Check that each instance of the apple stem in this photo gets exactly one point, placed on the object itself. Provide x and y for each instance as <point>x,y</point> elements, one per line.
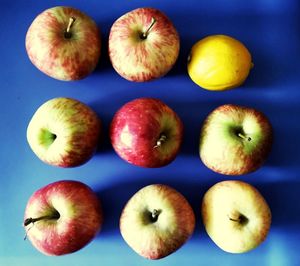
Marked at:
<point>30,220</point>
<point>233,219</point>
<point>161,140</point>
<point>244,137</point>
<point>53,216</point>
<point>154,215</point>
<point>68,34</point>
<point>238,218</point>
<point>145,34</point>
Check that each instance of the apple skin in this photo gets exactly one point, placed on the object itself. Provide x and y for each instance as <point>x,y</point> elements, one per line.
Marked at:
<point>72,217</point>
<point>236,216</point>
<point>60,56</point>
<point>146,132</point>
<point>235,140</point>
<point>64,132</point>
<point>138,58</point>
<point>157,235</point>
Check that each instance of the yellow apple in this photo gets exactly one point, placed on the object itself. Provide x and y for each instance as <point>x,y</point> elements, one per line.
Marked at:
<point>236,216</point>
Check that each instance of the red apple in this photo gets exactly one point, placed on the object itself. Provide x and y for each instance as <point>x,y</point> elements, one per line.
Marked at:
<point>143,44</point>
<point>64,132</point>
<point>64,43</point>
<point>146,132</point>
<point>62,217</point>
<point>157,221</point>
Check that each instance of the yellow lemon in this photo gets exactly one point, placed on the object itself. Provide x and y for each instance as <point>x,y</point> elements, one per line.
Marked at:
<point>219,62</point>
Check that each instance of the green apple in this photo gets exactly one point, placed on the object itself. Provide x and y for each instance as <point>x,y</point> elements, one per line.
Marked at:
<point>236,216</point>
<point>235,140</point>
<point>157,221</point>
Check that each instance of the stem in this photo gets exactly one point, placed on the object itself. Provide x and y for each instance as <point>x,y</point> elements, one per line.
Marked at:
<point>55,215</point>
<point>154,215</point>
<point>145,34</point>
<point>234,220</point>
<point>238,218</point>
<point>68,34</point>
<point>244,137</point>
<point>161,140</point>
<point>30,220</point>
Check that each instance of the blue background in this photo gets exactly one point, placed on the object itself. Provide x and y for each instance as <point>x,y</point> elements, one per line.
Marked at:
<point>269,28</point>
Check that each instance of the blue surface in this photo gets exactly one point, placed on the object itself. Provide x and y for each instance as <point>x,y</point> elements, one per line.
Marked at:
<point>269,28</point>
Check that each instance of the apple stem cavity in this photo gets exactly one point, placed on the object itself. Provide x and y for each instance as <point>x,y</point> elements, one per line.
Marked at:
<point>160,141</point>
<point>244,137</point>
<point>144,35</point>
<point>68,33</point>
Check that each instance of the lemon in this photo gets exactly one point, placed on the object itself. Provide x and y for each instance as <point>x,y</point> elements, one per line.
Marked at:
<point>219,62</point>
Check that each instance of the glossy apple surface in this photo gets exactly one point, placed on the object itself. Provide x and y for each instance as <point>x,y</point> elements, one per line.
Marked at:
<point>62,217</point>
<point>64,132</point>
<point>143,44</point>
<point>236,216</point>
<point>235,140</point>
<point>157,221</point>
<point>146,132</point>
<point>64,43</point>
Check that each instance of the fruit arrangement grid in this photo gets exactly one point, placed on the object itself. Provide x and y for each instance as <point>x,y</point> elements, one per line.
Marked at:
<point>147,136</point>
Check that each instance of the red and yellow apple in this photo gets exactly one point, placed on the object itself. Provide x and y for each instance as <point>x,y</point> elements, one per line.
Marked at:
<point>64,132</point>
<point>143,44</point>
<point>146,132</point>
<point>235,140</point>
<point>64,43</point>
<point>157,221</point>
<point>62,217</point>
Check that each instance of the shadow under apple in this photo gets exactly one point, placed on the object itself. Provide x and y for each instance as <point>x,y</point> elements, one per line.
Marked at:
<point>115,198</point>
<point>193,114</point>
<point>278,195</point>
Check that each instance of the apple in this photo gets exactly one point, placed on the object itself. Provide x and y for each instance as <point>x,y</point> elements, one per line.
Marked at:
<point>235,140</point>
<point>64,132</point>
<point>157,221</point>
<point>146,132</point>
<point>64,43</point>
<point>236,216</point>
<point>62,217</point>
<point>143,44</point>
